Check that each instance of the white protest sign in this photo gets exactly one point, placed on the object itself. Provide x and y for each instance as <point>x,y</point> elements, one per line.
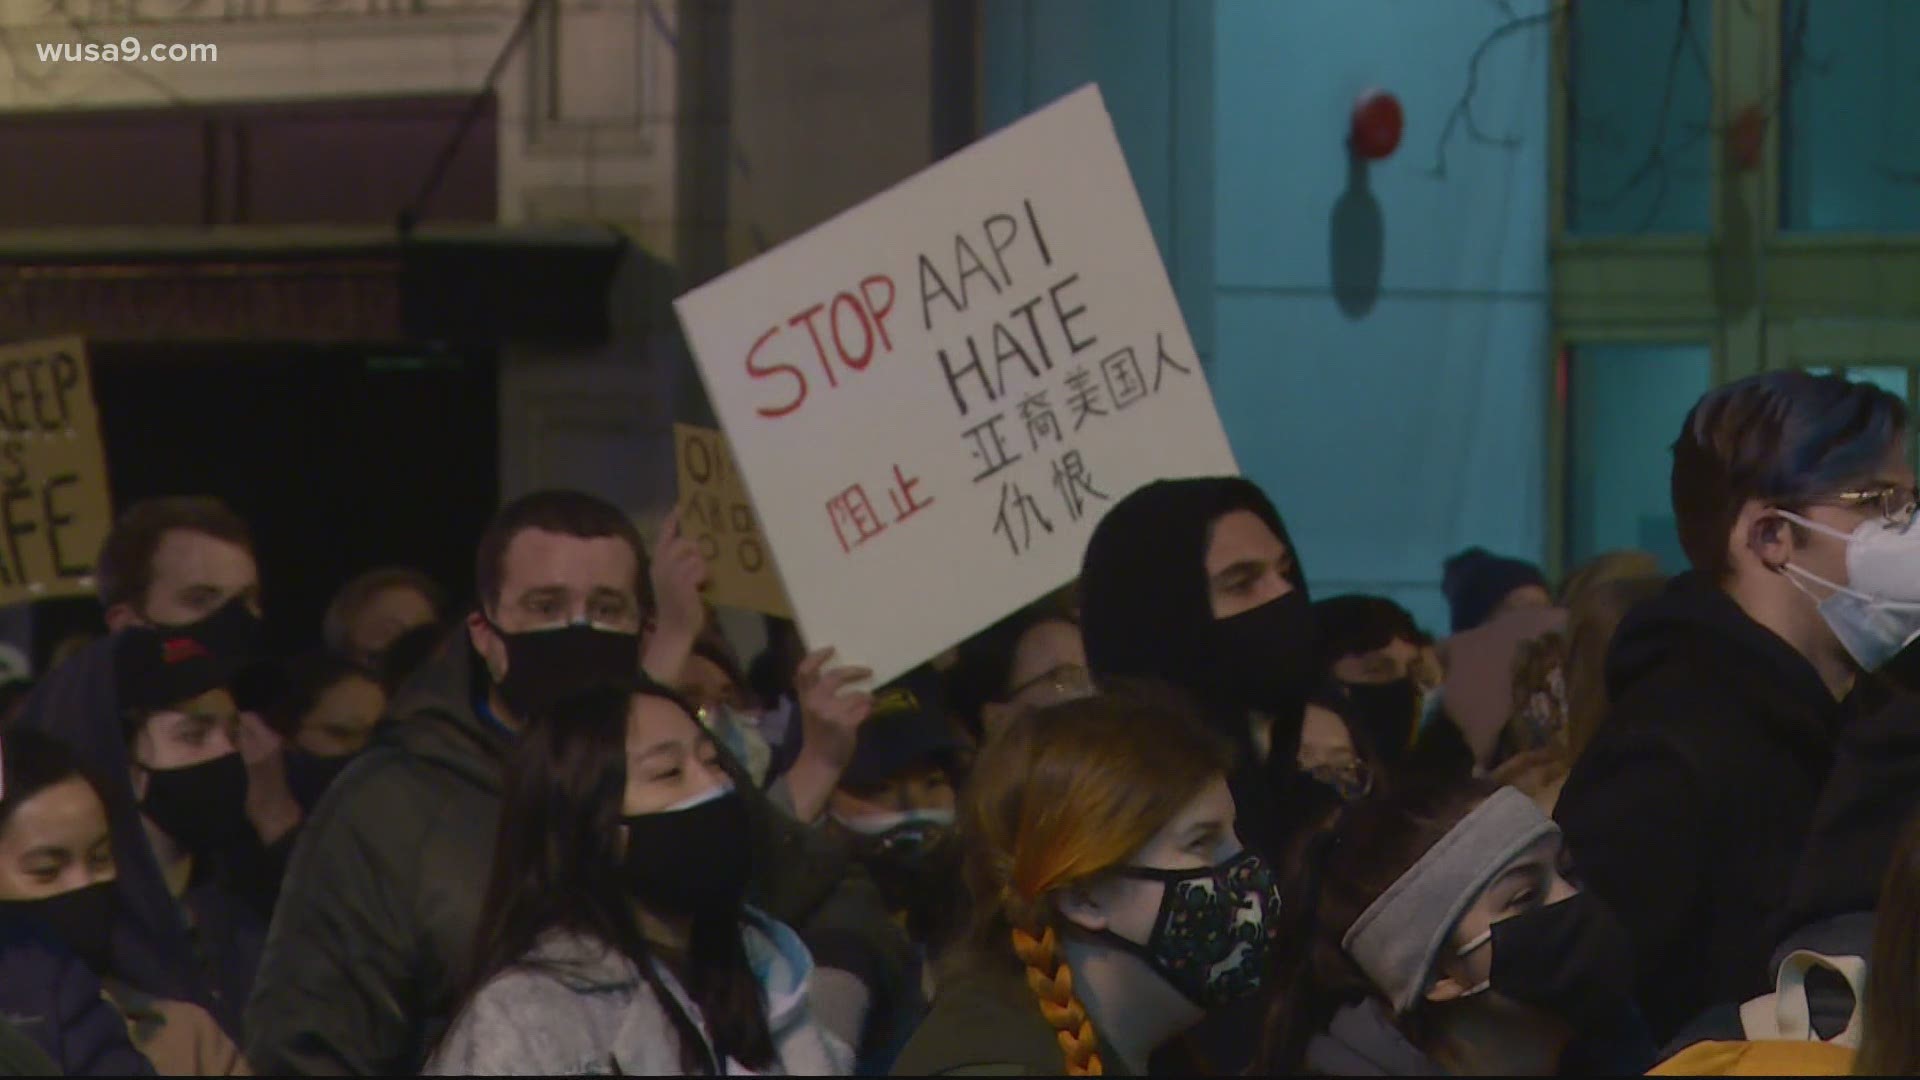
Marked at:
<point>935,396</point>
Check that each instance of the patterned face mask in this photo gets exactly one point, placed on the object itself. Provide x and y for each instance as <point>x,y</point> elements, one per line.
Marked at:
<point>1217,927</point>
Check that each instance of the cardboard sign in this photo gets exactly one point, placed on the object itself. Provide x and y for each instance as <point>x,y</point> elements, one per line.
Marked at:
<point>715,512</point>
<point>935,396</point>
<point>54,509</point>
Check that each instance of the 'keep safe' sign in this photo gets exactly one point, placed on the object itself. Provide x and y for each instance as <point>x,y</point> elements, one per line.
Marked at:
<point>936,395</point>
<point>54,510</point>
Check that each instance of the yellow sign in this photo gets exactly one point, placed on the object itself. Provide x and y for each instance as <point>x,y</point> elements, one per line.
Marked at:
<point>54,508</point>
<point>715,512</point>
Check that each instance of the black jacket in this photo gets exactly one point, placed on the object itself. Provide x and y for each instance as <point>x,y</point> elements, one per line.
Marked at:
<point>1688,811</point>
<point>382,900</point>
<point>48,996</point>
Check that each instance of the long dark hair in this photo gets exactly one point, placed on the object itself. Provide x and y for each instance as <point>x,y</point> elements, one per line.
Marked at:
<point>557,866</point>
<point>1344,870</point>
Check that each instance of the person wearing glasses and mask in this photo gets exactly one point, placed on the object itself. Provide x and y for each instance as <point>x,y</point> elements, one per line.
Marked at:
<point>1794,499</point>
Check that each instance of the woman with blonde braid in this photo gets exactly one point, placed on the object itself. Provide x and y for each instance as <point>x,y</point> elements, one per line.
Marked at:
<point>1114,907</point>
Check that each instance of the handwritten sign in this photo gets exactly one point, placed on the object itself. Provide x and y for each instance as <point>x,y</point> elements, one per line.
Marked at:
<point>54,510</point>
<point>935,396</point>
<point>715,512</point>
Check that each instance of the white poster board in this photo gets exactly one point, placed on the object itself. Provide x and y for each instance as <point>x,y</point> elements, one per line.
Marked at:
<point>936,395</point>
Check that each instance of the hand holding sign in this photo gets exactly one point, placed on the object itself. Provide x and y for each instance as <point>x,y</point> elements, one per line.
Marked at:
<point>830,719</point>
<point>678,573</point>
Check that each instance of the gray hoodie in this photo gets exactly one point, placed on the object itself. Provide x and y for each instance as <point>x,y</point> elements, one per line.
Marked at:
<point>595,1015</point>
<point>1364,1041</point>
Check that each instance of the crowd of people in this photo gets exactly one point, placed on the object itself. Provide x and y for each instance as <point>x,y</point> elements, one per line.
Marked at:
<point>1177,817</point>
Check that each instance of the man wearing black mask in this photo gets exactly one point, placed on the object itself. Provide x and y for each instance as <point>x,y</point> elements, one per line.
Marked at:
<point>1196,583</point>
<point>376,923</point>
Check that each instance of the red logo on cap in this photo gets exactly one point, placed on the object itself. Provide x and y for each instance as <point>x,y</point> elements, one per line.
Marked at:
<point>180,650</point>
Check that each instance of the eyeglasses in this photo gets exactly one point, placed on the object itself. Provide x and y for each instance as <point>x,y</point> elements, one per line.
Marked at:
<point>1896,503</point>
<point>1064,683</point>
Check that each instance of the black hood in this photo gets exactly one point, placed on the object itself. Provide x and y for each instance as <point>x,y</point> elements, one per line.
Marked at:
<point>78,703</point>
<point>1699,626</point>
<point>1145,611</point>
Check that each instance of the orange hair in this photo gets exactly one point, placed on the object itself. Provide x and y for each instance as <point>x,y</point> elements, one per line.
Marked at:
<point>1063,796</point>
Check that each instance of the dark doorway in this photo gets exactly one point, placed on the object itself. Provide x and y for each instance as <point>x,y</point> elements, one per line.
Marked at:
<point>341,458</point>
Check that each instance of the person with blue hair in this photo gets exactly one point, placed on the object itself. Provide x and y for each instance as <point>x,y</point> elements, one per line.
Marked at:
<point>1794,496</point>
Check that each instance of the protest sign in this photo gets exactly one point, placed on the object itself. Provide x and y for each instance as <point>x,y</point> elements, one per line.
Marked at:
<point>716,514</point>
<point>935,396</point>
<point>54,510</point>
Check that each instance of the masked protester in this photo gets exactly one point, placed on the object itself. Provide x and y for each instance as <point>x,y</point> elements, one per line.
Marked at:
<point>894,810</point>
<point>378,916</point>
<point>1387,666</point>
<point>376,609</point>
<point>1108,890</point>
<point>616,934</point>
<point>326,714</point>
<point>1197,583</point>
<point>1333,745</point>
<point>1794,498</point>
<point>895,802</point>
<point>57,887</point>
<point>1432,933</point>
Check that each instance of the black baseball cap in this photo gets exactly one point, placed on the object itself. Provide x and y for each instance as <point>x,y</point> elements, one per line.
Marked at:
<point>911,722</point>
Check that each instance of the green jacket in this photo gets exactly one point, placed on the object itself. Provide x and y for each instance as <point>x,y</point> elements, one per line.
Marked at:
<point>21,1056</point>
<point>382,900</point>
<point>986,1022</point>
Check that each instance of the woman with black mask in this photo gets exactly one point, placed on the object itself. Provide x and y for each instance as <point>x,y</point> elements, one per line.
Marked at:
<point>59,910</point>
<point>1435,933</point>
<point>615,935</point>
<point>1197,583</point>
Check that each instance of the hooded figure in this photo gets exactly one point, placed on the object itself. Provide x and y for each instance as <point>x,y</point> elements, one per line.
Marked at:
<point>1147,613</point>
<point>84,703</point>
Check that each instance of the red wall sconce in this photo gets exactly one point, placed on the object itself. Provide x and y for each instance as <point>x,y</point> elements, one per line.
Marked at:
<point>1377,124</point>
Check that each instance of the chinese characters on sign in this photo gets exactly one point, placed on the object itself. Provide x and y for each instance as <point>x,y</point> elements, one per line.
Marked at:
<point>935,396</point>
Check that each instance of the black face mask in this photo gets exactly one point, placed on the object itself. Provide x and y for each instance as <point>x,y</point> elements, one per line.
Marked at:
<point>309,775</point>
<point>1573,959</point>
<point>82,919</point>
<point>233,632</point>
<point>691,861</point>
<point>1387,711</point>
<point>1268,659</point>
<point>202,807</point>
<point>545,666</point>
